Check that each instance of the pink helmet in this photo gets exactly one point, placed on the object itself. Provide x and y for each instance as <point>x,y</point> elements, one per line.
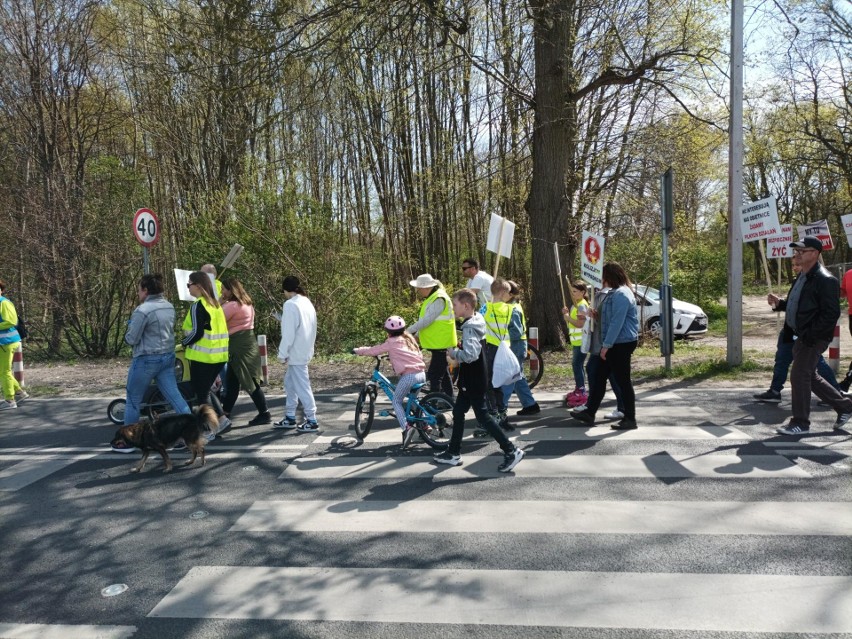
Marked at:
<point>394,323</point>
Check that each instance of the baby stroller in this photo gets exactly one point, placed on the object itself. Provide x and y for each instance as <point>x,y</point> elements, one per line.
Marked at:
<point>153,401</point>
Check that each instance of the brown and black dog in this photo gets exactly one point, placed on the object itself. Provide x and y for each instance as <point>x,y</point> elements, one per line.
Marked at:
<point>165,431</point>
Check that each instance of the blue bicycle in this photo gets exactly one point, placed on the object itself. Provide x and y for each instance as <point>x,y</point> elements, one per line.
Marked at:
<point>428,413</point>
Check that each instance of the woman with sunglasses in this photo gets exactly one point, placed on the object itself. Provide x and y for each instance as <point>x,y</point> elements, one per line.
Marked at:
<point>206,341</point>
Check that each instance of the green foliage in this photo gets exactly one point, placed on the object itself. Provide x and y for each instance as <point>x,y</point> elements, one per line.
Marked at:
<point>283,235</point>
<point>698,266</point>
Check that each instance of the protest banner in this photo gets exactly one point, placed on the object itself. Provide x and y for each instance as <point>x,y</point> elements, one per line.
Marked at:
<point>501,234</point>
<point>760,219</point>
<point>818,229</point>
<point>846,220</point>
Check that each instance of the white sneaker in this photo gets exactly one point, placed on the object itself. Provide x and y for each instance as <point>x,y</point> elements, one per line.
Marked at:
<point>21,395</point>
<point>616,414</point>
<point>6,405</point>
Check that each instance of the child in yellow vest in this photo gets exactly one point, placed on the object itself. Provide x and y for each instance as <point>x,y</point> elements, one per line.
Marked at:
<point>576,318</point>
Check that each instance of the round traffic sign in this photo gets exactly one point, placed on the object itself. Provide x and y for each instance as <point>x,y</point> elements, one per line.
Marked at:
<point>146,227</point>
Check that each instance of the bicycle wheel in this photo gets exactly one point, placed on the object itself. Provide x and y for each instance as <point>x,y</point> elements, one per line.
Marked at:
<point>365,411</point>
<point>533,372</point>
<point>441,406</point>
<point>115,411</point>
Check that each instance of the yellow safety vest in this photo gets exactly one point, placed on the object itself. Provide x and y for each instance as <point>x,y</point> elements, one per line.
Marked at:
<point>442,332</point>
<point>497,316</point>
<point>212,348</point>
<point>575,333</point>
<point>520,308</point>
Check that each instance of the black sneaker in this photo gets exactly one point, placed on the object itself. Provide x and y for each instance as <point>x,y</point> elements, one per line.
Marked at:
<point>480,432</point>
<point>261,419</point>
<point>285,423</point>
<point>770,397</point>
<point>583,416</point>
<point>510,460</point>
<point>308,426</point>
<point>535,409</point>
<point>503,421</point>
<point>841,420</point>
<point>447,458</point>
<point>625,424</point>
<point>408,435</point>
<point>793,429</point>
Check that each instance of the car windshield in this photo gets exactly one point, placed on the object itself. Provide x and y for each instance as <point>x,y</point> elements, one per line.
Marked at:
<point>649,293</point>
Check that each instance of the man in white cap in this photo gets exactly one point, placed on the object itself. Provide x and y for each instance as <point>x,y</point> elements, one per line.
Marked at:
<point>436,329</point>
<point>810,314</point>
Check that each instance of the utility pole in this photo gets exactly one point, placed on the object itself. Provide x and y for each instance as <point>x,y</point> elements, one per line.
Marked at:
<point>735,190</point>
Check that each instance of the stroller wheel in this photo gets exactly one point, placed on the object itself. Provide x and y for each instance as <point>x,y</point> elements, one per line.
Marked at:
<point>115,411</point>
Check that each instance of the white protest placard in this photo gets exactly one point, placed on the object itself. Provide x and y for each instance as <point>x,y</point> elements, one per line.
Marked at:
<point>591,259</point>
<point>182,279</point>
<point>501,234</point>
<point>778,246</point>
<point>760,219</point>
<point>818,229</point>
<point>846,220</point>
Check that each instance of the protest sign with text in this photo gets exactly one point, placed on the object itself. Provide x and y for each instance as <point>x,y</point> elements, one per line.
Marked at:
<point>760,219</point>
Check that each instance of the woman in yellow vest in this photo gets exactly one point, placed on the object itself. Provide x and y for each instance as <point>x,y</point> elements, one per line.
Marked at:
<point>206,341</point>
<point>436,329</point>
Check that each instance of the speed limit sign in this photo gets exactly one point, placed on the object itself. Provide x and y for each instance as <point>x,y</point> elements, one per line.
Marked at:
<point>146,227</point>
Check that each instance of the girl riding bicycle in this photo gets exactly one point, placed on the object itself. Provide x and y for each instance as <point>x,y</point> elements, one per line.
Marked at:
<point>407,361</point>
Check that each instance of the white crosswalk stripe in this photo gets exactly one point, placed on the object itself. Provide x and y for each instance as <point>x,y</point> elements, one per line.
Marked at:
<point>558,517</point>
<point>734,603</point>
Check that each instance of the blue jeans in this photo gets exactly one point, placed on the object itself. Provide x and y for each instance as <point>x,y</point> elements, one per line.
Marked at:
<point>592,370</point>
<point>578,357</point>
<point>521,387</point>
<point>783,359</point>
<point>142,370</point>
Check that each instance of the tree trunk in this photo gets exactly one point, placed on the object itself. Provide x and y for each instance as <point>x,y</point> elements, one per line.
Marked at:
<point>549,205</point>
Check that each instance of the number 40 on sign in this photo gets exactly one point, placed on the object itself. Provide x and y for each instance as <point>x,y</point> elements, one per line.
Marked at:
<point>146,227</point>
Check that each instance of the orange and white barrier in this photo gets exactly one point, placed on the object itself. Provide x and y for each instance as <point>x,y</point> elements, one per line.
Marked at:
<point>532,338</point>
<point>264,362</point>
<point>18,365</point>
<point>834,348</point>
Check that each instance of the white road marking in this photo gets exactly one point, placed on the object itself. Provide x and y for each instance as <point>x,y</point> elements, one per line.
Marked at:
<point>30,471</point>
<point>706,602</point>
<point>63,631</point>
<point>560,517</point>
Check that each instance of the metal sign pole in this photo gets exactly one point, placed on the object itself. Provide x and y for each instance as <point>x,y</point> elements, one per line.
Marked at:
<point>146,263</point>
<point>666,319</point>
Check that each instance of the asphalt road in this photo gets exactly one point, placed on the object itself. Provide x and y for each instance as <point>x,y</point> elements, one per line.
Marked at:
<point>702,523</point>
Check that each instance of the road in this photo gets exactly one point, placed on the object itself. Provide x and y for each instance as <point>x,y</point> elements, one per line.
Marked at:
<point>701,523</point>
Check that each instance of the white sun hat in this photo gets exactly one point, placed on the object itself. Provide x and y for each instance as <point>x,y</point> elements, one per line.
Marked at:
<point>424,281</point>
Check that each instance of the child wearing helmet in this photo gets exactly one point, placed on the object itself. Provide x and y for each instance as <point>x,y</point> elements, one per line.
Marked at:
<point>407,361</point>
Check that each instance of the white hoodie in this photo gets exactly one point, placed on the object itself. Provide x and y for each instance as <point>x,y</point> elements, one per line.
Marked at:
<point>298,331</point>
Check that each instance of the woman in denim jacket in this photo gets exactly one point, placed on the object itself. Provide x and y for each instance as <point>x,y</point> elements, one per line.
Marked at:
<point>620,331</point>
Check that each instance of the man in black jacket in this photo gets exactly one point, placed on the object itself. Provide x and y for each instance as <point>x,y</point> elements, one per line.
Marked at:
<point>811,311</point>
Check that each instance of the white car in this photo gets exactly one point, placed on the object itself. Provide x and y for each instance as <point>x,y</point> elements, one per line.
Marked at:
<point>688,318</point>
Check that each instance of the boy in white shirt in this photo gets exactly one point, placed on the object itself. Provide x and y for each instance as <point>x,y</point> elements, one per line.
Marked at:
<point>298,335</point>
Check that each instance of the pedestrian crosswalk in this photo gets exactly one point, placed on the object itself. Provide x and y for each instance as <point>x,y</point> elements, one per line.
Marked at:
<point>688,526</point>
<point>773,601</point>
